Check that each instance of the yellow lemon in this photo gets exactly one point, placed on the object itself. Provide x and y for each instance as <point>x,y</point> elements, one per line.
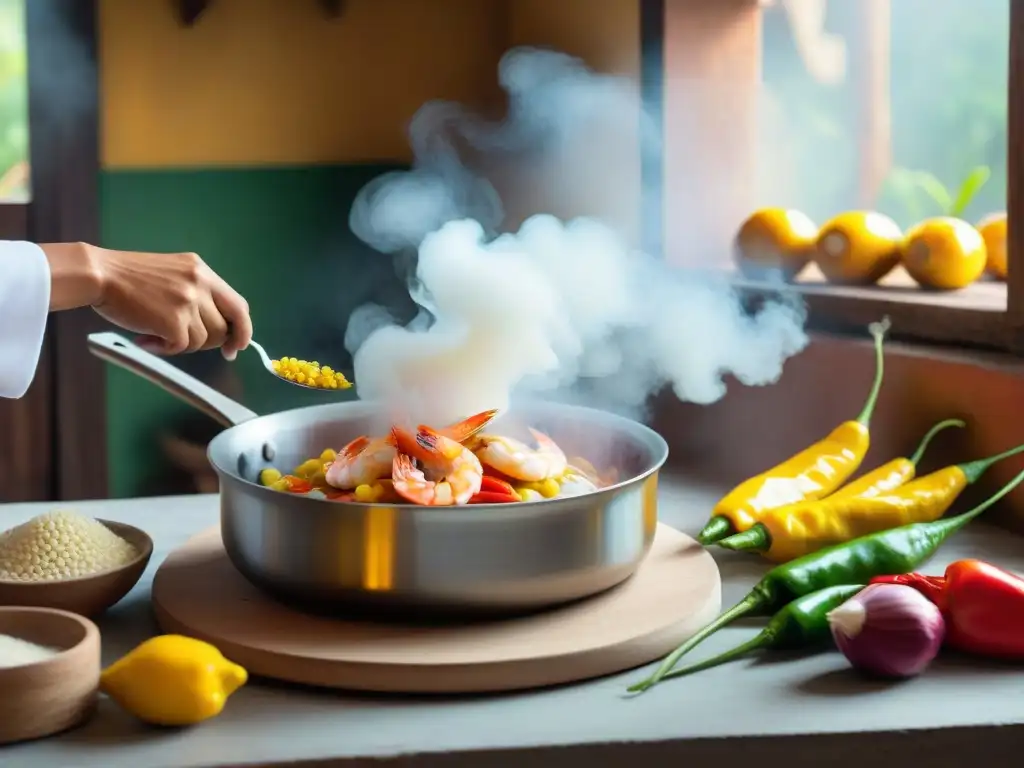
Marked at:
<point>172,680</point>
<point>993,231</point>
<point>774,239</point>
<point>858,248</point>
<point>944,253</point>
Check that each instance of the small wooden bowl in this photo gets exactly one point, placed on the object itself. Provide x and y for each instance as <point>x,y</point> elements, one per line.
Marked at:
<point>88,595</point>
<point>58,693</point>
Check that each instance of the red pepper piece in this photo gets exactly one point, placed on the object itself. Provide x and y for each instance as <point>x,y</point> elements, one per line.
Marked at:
<point>490,471</point>
<point>983,606</point>
<point>489,497</point>
<point>496,485</point>
<point>297,484</point>
<point>931,587</point>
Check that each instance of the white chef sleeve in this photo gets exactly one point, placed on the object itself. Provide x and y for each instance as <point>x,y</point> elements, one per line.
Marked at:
<point>24,307</point>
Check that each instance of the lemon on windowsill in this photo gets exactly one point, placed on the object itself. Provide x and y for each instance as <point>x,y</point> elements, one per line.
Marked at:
<point>992,229</point>
<point>774,241</point>
<point>858,248</point>
<point>944,253</point>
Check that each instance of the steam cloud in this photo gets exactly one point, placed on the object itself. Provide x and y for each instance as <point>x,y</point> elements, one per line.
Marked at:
<point>566,311</point>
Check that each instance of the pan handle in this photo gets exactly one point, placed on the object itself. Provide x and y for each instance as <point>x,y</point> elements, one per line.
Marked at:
<point>115,349</point>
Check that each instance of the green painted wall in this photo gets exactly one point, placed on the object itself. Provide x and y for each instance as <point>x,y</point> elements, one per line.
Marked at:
<point>281,237</point>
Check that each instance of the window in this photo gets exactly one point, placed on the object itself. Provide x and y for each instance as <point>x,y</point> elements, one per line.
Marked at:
<point>826,106</point>
<point>14,158</point>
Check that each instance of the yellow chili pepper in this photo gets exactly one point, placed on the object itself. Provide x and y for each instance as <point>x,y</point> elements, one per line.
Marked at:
<point>895,473</point>
<point>172,680</point>
<point>800,529</point>
<point>811,474</point>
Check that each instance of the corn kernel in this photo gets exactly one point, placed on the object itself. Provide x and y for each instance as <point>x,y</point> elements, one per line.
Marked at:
<point>549,488</point>
<point>308,468</point>
<point>329,454</point>
<point>280,485</point>
<point>364,493</point>
<point>529,494</point>
<point>269,476</point>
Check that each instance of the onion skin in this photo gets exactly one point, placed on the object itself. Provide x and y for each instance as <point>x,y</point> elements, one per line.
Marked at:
<point>888,630</point>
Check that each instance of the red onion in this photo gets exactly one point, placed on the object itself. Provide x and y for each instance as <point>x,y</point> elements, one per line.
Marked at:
<point>889,630</point>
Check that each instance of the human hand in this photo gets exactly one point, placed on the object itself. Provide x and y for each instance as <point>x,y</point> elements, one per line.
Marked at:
<point>173,300</point>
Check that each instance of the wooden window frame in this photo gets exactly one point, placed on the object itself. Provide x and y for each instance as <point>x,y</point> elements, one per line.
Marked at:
<point>53,440</point>
<point>717,42</point>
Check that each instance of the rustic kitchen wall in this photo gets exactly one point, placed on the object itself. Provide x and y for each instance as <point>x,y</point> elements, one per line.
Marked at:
<point>246,137</point>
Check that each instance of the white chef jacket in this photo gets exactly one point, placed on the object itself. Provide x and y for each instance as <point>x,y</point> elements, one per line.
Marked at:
<point>24,307</point>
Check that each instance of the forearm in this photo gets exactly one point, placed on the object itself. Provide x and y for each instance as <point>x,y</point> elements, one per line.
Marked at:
<point>75,277</point>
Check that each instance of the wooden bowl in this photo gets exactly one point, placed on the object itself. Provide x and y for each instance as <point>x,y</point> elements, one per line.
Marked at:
<point>58,693</point>
<point>87,595</point>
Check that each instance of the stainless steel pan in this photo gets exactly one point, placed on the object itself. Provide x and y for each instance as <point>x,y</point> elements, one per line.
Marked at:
<point>477,559</point>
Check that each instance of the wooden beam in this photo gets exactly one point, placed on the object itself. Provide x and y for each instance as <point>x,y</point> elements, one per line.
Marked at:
<point>870,46</point>
<point>1015,173</point>
<point>712,65</point>
<point>63,139</point>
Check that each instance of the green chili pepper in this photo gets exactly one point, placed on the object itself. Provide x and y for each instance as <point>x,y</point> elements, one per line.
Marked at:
<point>898,550</point>
<point>802,623</point>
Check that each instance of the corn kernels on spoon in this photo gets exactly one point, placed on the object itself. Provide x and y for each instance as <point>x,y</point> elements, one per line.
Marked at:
<point>302,373</point>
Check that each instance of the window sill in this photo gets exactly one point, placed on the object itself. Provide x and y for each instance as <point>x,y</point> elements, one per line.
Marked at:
<point>975,316</point>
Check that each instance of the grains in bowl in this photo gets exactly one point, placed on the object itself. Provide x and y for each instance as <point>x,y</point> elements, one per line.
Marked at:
<point>61,545</point>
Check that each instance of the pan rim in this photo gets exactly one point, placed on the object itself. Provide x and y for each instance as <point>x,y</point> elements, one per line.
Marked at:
<point>645,435</point>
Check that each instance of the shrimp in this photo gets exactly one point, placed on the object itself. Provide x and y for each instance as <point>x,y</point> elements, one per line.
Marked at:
<point>460,470</point>
<point>366,460</point>
<point>518,460</point>
<point>361,462</point>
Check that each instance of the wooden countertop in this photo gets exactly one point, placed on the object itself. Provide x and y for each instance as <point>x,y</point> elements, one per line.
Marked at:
<point>800,710</point>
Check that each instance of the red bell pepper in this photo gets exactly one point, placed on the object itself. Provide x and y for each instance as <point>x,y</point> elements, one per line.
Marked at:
<point>983,606</point>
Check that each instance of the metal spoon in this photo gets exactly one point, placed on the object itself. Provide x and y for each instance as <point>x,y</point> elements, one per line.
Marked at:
<point>269,365</point>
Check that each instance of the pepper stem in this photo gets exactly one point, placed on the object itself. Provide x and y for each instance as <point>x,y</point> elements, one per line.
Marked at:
<point>878,331</point>
<point>718,527</point>
<point>975,469</point>
<point>949,525</point>
<point>919,453</point>
<point>764,639</point>
<point>757,538</point>
<point>750,604</point>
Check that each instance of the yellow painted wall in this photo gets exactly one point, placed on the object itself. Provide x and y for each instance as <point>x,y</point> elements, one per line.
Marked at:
<point>604,33</point>
<point>259,82</point>
<point>267,82</point>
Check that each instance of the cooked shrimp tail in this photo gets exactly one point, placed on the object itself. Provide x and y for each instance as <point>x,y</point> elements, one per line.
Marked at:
<point>465,429</point>
<point>355,447</point>
<point>436,443</point>
<point>406,442</point>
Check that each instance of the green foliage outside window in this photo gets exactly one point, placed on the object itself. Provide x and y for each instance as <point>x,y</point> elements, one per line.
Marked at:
<point>14,177</point>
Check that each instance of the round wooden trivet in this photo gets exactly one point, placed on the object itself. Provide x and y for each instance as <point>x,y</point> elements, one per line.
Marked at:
<point>197,592</point>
